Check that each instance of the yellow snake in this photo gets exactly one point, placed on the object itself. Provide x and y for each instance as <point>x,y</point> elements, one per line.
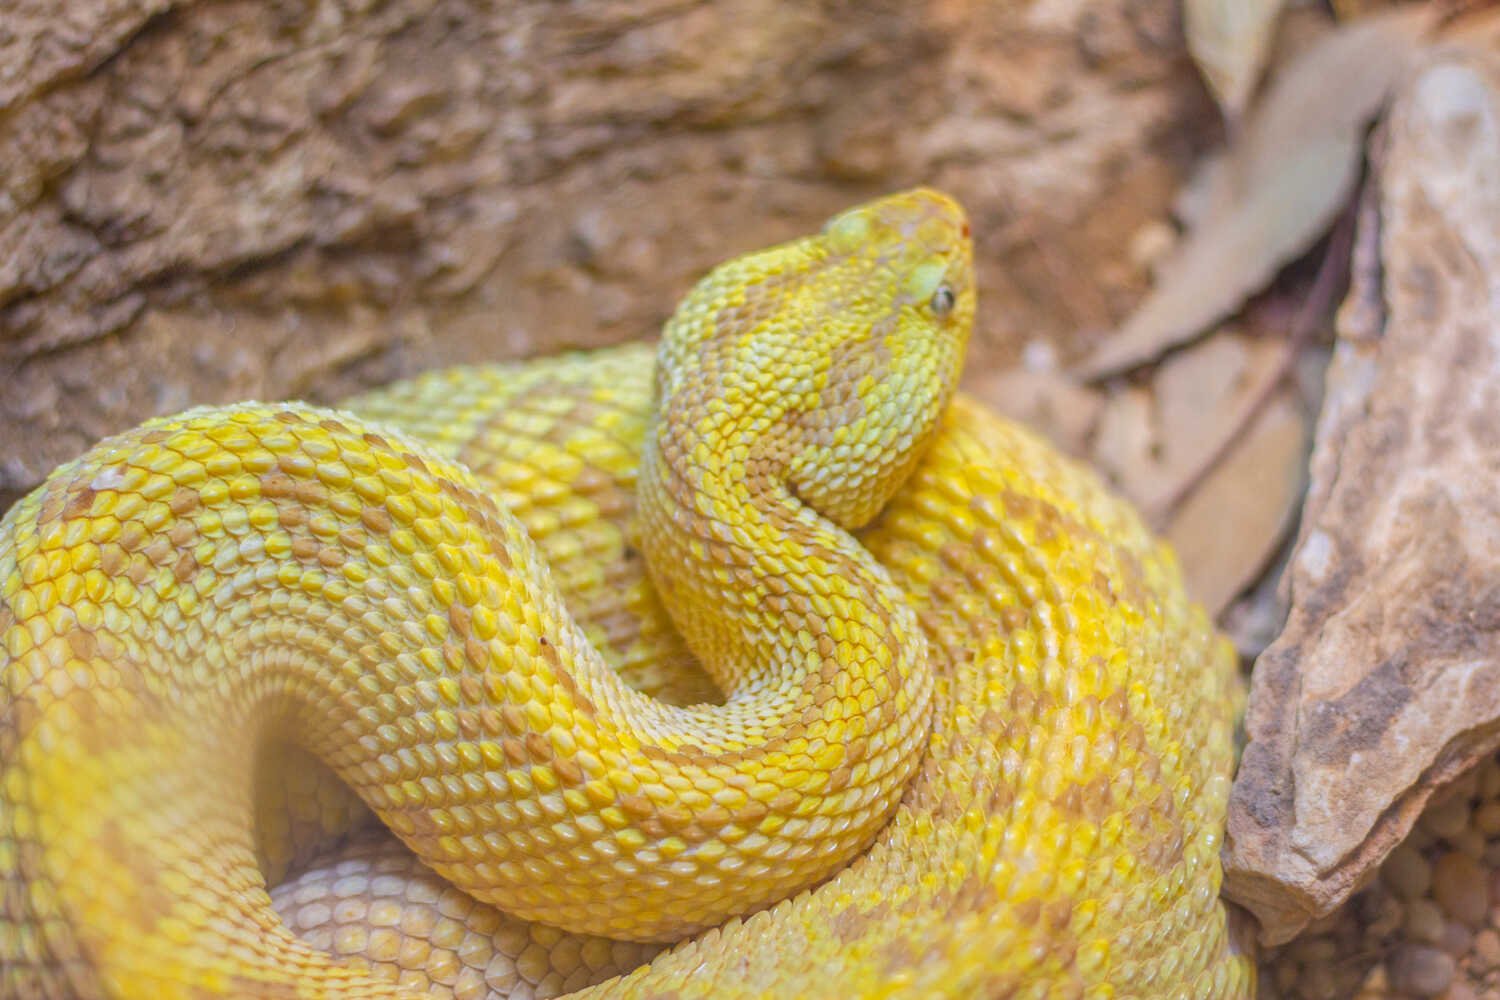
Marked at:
<point>982,749</point>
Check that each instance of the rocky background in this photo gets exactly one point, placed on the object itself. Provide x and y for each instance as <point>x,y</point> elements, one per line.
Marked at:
<point>214,201</point>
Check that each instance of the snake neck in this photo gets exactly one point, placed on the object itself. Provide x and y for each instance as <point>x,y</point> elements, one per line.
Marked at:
<point>769,594</point>
<point>255,572</point>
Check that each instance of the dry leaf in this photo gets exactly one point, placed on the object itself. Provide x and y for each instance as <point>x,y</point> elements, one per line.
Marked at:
<point>1206,192</point>
<point>1190,450</point>
<point>1125,446</point>
<point>1202,395</point>
<point>1229,40</point>
<point>1385,683</point>
<point>1153,441</point>
<point>1231,525</point>
<point>1290,173</point>
<point>1048,402</point>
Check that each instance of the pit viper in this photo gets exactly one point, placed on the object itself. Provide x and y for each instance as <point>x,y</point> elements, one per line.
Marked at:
<point>774,667</point>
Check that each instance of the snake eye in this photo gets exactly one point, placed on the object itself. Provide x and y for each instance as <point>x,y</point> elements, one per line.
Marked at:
<point>942,300</point>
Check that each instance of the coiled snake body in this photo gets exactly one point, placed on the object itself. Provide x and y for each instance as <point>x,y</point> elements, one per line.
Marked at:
<point>984,750</point>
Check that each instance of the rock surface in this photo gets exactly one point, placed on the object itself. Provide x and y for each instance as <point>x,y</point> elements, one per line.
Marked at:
<point>206,202</point>
<point>1385,684</point>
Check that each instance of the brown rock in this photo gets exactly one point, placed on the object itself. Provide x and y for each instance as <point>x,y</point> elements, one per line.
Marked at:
<point>1448,818</point>
<point>1385,917</point>
<point>309,198</point>
<point>1461,990</point>
<point>1287,974</point>
<point>1407,872</point>
<point>1377,983</point>
<point>1471,842</point>
<point>1314,951</point>
<point>1487,818</point>
<point>1318,982</point>
<point>1457,939</point>
<point>1487,779</point>
<point>1424,922</point>
<point>1421,970</point>
<point>1487,950</point>
<point>1461,887</point>
<point>1385,684</point>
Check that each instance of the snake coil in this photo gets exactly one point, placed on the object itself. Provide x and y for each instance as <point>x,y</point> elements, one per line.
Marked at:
<point>901,699</point>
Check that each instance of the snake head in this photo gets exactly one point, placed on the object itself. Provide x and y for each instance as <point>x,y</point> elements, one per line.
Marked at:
<point>891,353</point>
<point>822,365</point>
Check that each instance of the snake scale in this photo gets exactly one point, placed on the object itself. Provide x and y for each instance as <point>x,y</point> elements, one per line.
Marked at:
<point>500,681</point>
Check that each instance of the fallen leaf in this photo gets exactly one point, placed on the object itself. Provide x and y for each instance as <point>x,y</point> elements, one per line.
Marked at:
<point>1048,402</point>
<point>1125,443</point>
<point>1154,441</point>
<point>1205,194</point>
<point>1228,528</point>
<point>1206,446</point>
<point>1335,86</point>
<point>1385,683</point>
<point>1202,395</point>
<point>1288,176</point>
<point>1229,40</point>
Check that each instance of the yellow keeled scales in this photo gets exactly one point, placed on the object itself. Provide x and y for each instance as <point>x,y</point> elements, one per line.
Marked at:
<point>1019,727</point>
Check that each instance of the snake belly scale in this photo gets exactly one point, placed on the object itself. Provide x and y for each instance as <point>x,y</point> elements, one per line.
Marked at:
<point>901,700</point>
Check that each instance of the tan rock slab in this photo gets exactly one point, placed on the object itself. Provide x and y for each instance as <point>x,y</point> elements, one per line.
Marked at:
<point>1385,683</point>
